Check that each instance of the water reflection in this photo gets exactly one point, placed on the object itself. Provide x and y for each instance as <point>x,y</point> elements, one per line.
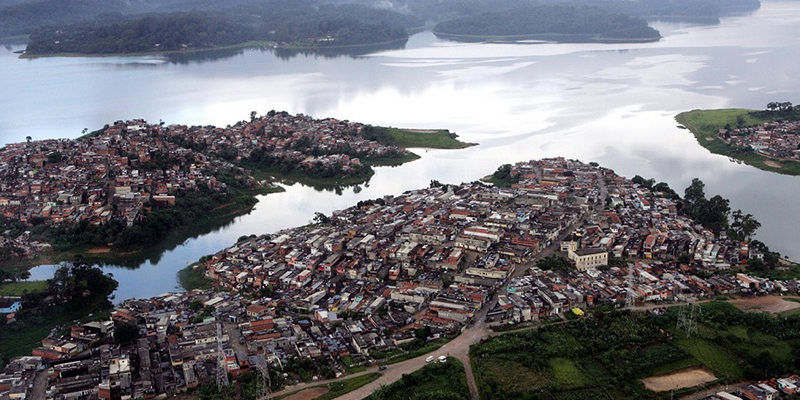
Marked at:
<point>338,52</point>
<point>614,104</point>
<point>285,54</point>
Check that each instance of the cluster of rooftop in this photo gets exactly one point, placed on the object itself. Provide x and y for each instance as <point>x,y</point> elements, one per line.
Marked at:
<point>780,140</point>
<point>364,282</point>
<point>120,173</point>
<point>327,148</point>
<point>765,390</point>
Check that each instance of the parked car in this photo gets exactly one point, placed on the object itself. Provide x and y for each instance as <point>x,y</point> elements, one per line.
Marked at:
<point>382,368</point>
<point>429,359</point>
<point>442,359</point>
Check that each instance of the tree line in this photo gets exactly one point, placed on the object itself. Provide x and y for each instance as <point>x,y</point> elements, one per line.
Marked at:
<point>290,23</point>
<point>569,20</point>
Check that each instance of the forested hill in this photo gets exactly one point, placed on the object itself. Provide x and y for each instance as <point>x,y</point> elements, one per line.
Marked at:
<point>694,10</point>
<point>296,24</point>
<point>590,23</point>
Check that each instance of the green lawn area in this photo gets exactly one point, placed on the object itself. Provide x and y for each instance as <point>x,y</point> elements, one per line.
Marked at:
<point>425,138</point>
<point>348,361</point>
<point>348,385</point>
<point>19,288</point>
<point>566,375</point>
<point>712,356</point>
<point>434,381</point>
<point>705,124</point>
<point>789,313</point>
<point>392,162</point>
<point>512,376</point>
<point>674,366</point>
<point>191,278</point>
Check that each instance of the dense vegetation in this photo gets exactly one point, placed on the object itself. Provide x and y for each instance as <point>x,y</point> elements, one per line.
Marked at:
<point>76,290</point>
<point>588,22</point>
<point>287,23</point>
<point>710,10</point>
<point>438,381</point>
<point>502,176</point>
<point>572,360</point>
<point>153,225</point>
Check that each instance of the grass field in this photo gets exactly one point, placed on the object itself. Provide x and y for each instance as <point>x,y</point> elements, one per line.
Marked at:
<point>675,366</point>
<point>566,375</point>
<point>512,376</point>
<point>191,278</point>
<point>348,361</point>
<point>348,385</point>
<point>423,138</point>
<point>705,124</point>
<point>20,288</point>
<point>433,381</point>
<point>712,356</point>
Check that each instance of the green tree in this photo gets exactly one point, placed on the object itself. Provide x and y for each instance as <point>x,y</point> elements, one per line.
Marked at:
<point>743,226</point>
<point>693,195</point>
<point>125,334</point>
<point>553,263</point>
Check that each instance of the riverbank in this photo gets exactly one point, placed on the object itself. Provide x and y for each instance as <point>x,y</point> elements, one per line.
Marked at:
<point>401,137</point>
<point>243,202</point>
<point>542,37</point>
<point>244,45</point>
<point>706,124</point>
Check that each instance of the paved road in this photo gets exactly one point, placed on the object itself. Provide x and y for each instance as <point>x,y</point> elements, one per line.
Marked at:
<point>458,347</point>
<point>39,386</point>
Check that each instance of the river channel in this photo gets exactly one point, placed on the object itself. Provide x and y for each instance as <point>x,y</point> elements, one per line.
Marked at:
<point>610,103</point>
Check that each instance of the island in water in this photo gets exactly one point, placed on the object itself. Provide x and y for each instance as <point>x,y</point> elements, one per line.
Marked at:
<point>128,185</point>
<point>766,139</point>
<point>431,280</point>
<point>557,23</point>
<point>275,24</point>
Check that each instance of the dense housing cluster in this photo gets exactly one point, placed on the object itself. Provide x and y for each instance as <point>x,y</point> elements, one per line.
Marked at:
<point>118,174</point>
<point>780,140</point>
<point>388,274</point>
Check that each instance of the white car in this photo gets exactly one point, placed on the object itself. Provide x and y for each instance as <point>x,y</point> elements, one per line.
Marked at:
<point>442,359</point>
<point>429,359</point>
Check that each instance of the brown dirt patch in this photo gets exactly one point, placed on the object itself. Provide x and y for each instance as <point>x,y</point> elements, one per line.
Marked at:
<point>770,304</point>
<point>99,250</point>
<point>772,164</point>
<point>308,394</point>
<point>684,378</point>
<point>420,130</point>
<point>709,139</point>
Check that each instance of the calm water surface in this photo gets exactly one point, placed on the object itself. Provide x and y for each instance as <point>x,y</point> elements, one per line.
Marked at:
<point>610,103</point>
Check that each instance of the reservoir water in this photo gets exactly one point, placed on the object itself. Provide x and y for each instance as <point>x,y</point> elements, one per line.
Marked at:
<point>610,103</point>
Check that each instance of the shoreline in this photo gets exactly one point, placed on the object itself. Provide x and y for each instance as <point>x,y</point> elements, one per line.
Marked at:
<point>244,201</point>
<point>547,37</point>
<point>238,46</point>
<point>708,139</point>
<point>111,256</point>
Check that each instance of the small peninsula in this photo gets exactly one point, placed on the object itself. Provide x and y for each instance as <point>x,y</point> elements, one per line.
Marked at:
<point>766,139</point>
<point>554,23</point>
<point>127,186</point>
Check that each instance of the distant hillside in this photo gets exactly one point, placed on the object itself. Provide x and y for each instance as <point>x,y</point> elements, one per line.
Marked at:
<point>585,23</point>
<point>439,11</point>
<point>295,24</point>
